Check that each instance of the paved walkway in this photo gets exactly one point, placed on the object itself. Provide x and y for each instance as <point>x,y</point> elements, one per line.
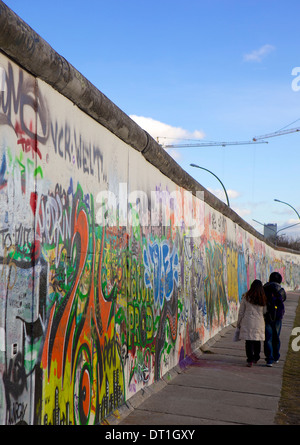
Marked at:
<point>216,387</point>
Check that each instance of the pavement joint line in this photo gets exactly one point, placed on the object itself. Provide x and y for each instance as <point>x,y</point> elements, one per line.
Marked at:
<point>192,417</point>
<point>229,390</point>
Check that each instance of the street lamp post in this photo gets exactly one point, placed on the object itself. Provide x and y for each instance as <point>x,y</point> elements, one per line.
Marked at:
<point>277,231</point>
<point>195,165</point>
<point>278,200</point>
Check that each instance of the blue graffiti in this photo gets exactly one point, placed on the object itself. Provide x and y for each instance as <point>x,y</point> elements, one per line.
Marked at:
<point>161,270</point>
<point>2,172</point>
<point>242,275</point>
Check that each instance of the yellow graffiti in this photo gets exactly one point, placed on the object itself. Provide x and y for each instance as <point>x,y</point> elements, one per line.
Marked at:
<point>232,275</point>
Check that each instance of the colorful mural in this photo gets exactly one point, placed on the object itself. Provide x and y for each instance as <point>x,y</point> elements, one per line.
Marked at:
<point>92,313</point>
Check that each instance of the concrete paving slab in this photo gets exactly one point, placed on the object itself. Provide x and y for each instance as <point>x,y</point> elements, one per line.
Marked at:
<point>208,403</point>
<point>217,388</point>
<point>228,379</point>
<point>142,418</point>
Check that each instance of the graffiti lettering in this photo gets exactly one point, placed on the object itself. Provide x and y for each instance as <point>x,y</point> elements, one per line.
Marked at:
<point>71,146</point>
<point>163,267</point>
<point>90,312</point>
<point>19,103</point>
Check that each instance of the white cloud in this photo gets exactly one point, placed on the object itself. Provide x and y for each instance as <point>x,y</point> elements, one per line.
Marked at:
<point>241,212</point>
<point>290,228</point>
<point>233,194</point>
<point>293,221</point>
<point>161,130</point>
<point>174,153</point>
<point>293,225</point>
<point>259,54</point>
<point>219,193</point>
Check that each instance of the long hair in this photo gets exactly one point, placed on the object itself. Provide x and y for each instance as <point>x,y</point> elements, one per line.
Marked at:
<point>256,294</point>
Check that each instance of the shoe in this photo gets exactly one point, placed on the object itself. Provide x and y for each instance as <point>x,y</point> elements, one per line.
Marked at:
<point>276,361</point>
<point>249,364</point>
<point>269,364</point>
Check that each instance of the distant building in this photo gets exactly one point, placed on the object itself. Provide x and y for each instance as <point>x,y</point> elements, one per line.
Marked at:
<point>270,230</point>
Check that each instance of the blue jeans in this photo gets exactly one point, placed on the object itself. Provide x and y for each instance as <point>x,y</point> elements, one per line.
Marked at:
<point>272,340</point>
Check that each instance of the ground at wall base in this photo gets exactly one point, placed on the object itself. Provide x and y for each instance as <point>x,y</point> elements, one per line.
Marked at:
<point>130,405</point>
<point>289,405</point>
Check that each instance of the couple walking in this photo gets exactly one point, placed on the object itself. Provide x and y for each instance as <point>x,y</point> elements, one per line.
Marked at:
<point>260,319</point>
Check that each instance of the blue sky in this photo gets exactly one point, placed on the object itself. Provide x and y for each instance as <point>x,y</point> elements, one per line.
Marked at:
<point>216,69</point>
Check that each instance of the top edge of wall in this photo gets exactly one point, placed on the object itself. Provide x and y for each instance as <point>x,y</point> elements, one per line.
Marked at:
<point>29,50</point>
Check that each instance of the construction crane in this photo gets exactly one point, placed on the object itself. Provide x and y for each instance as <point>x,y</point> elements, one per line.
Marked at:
<point>210,144</point>
<point>276,133</point>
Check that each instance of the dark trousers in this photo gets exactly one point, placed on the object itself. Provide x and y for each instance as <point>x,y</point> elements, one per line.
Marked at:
<point>253,350</point>
<point>272,341</point>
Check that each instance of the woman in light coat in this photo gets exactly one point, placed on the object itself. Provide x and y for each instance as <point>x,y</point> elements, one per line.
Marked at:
<point>251,320</point>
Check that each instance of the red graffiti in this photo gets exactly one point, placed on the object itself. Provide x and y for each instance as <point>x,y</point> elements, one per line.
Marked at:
<point>28,144</point>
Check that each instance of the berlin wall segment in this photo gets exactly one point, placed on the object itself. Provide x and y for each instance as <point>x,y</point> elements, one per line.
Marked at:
<point>92,310</point>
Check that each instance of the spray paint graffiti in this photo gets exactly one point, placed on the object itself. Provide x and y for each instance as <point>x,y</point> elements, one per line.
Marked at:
<point>91,314</point>
<point>81,345</point>
<point>162,266</point>
<point>215,295</point>
<point>242,275</point>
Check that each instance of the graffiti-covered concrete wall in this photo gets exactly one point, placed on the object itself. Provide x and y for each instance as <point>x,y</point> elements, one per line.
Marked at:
<point>114,263</point>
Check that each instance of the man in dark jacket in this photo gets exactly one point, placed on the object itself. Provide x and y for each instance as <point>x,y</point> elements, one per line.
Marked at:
<point>273,319</point>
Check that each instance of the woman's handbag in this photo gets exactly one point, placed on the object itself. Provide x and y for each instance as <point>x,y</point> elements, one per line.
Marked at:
<point>236,336</point>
